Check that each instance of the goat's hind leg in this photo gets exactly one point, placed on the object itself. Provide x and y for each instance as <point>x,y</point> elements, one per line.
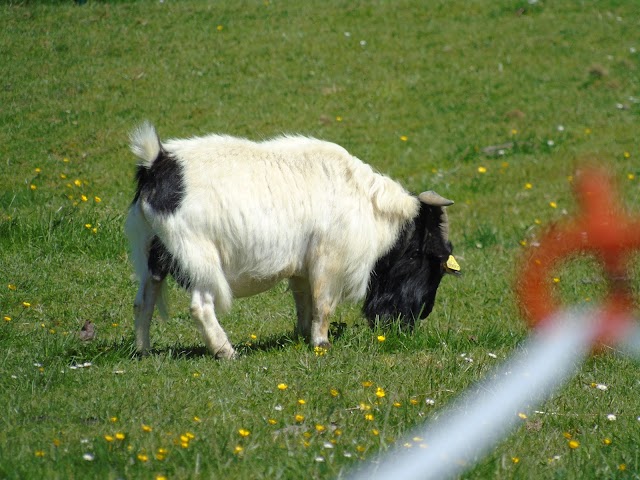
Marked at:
<point>302,295</point>
<point>148,293</point>
<point>203,313</point>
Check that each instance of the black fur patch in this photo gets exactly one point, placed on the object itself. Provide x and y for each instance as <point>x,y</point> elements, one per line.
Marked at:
<point>161,185</point>
<point>161,263</point>
<point>404,282</point>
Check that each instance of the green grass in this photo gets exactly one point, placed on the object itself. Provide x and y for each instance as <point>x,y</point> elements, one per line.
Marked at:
<point>419,90</point>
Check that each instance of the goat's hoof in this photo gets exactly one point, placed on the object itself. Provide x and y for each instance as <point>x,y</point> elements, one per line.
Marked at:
<point>325,345</point>
<point>226,354</point>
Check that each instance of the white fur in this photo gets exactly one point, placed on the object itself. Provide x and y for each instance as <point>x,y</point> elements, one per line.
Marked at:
<point>256,213</point>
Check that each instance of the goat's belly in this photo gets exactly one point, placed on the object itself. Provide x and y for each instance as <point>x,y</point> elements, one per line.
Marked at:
<point>248,286</point>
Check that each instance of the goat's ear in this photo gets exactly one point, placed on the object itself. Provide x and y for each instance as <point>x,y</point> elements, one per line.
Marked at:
<point>434,199</point>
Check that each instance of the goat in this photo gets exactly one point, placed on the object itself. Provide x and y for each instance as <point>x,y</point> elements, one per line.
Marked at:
<point>228,217</point>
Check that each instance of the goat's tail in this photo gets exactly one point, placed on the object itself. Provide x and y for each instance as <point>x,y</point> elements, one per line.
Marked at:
<point>145,144</point>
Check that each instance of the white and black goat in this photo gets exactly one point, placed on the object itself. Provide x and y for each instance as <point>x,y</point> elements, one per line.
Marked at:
<point>228,217</point>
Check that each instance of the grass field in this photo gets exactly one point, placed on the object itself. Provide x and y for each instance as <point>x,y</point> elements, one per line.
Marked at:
<point>491,103</point>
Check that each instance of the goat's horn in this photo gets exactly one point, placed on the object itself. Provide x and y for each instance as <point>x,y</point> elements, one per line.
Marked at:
<point>434,199</point>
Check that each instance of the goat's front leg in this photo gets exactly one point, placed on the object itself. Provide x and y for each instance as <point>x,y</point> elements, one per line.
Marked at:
<point>203,313</point>
<point>325,293</point>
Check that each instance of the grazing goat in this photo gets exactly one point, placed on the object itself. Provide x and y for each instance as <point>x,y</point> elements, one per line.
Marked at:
<point>228,217</point>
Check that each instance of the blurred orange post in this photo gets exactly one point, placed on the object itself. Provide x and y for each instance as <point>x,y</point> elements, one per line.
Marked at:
<point>600,229</point>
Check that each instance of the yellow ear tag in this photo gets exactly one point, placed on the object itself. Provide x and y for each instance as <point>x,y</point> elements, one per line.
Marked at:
<point>452,265</point>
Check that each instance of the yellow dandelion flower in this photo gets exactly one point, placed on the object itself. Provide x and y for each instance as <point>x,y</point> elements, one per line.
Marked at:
<point>514,131</point>
<point>626,154</point>
<point>553,204</point>
<point>63,176</point>
<point>299,418</point>
<point>37,170</point>
<point>306,434</point>
<point>160,476</point>
<point>556,280</point>
<point>244,433</point>
<point>369,417</point>
<point>147,428</point>
<point>272,421</point>
<point>12,287</point>
<point>220,28</point>
<point>143,457</point>
<point>319,351</point>
<point>364,407</point>
<point>587,131</point>
<point>397,404</point>
<point>622,467</point>
<point>567,435</point>
<point>113,419</point>
<point>381,338</point>
<point>367,383</point>
<point>360,448</point>
<point>404,138</point>
<point>109,438</point>
<point>515,460</point>
<point>333,392</point>
<point>189,435</point>
<point>83,198</point>
<point>482,169</point>
<point>631,176</point>
<point>238,450</point>
<point>97,199</point>
<point>65,160</point>
<point>302,401</point>
<point>528,186</point>
<point>197,419</point>
<point>606,441</point>
<point>26,304</point>
<point>523,416</point>
<point>338,118</point>
<point>88,226</point>
<point>523,243</point>
<point>320,428</point>
<point>282,386</point>
<point>573,444</point>
<point>380,393</point>
<point>375,432</point>
<point>7,318</point>
<point>33,187</point>
<point>77,182</point>
<point>413,401</point>
<point>253,336</point>
<point>39,453</point>
<point>120,436</point>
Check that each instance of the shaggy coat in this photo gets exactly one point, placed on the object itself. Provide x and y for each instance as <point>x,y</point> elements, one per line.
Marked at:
<point>228,217</point>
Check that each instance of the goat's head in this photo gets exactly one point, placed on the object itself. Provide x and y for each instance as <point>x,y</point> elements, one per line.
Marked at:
<point>404,282</point>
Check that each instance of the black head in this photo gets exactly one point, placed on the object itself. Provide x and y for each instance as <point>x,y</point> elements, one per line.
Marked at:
<point>404,282</point>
